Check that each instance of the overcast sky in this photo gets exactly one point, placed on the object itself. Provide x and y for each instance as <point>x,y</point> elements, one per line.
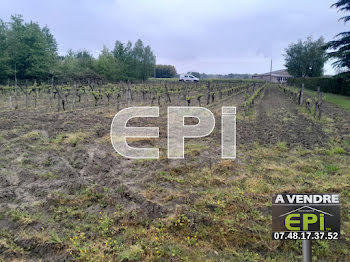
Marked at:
<point>221,36</point>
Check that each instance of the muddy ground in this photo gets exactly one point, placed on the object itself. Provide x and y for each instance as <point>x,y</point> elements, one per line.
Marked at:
<point>44,156</point>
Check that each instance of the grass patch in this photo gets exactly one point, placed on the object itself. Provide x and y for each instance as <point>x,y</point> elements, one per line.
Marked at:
<point>21,217</point>
<point>47,175</point>
<point>282,146</point>
<point>132,253</point>
<point>339,100</point>
<point>336,150</point>
<point>71,138</point>
<point>221,212</point>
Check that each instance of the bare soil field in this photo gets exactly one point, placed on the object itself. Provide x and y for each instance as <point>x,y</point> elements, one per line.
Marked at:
<point>66,195</point>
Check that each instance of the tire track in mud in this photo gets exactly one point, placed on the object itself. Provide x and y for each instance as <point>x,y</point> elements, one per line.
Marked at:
<point>97,165</point>
<point>94,163</point>
<point>277,119</point>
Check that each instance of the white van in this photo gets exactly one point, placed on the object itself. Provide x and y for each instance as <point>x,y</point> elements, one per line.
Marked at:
<point>188,78</point>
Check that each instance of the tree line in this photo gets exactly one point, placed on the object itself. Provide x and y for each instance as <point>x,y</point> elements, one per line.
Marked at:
<point>28,51</point>
<point>221,76</point>
<point>165,71</point>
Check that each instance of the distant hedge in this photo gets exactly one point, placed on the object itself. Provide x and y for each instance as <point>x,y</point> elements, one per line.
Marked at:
<point>335,85</point>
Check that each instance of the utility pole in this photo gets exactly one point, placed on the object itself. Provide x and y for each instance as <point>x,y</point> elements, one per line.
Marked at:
<point>271,71</point>
<point>155,67</point>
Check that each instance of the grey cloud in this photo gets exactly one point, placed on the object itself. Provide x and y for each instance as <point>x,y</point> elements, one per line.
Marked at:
<point>207,36</point>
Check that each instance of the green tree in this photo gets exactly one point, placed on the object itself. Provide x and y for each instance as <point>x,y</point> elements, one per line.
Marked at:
<point>136,62</point>
<point>165,71</point>
<point>67,68</point>
<point>108,66</point>
<point>31,51</point>
<point>4,59</point>
<point>78,65</point>
<point>148,63</point>
<point>28,51</point>
<point>138,56</point>
<point>306,58</point>
<point>85,65</point>
<point>123,54</point>
<point>340,48</point>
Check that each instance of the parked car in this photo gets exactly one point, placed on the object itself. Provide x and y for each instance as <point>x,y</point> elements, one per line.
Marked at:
<point>188,78</point>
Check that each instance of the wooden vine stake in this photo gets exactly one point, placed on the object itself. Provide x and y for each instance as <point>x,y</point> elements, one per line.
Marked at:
<point>167,92</point>
<point>319,104</point>
<point>74,94</point>
<point>118,102</point>
<point>128,94</point>
<point>245,105</point>
<point>16,102</point>
<point>25,91</point>
<point>10,98</point>
<point>208,97</point>
<point>301,94</point>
